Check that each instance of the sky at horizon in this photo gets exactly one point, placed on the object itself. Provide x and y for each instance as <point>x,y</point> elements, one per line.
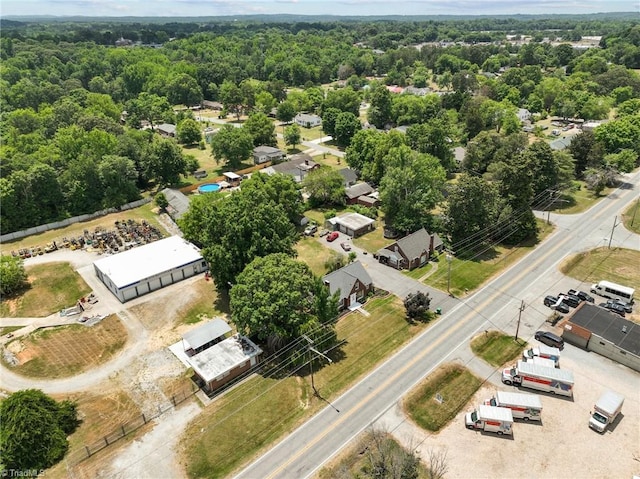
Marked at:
<point>202,8</point>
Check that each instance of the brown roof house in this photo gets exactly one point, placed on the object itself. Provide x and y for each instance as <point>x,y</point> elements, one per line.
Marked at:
<point>353,283</point>
<point>412,251</point>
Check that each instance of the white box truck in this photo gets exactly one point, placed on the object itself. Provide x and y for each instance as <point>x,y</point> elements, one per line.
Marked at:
<point>542,378</point>
<point>523,406</point>
<point>550,363</point>
<point>543,351</point>
<point>606,410</point>
<point>490,419</point>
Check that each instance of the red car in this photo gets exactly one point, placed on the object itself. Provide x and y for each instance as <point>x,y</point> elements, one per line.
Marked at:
<point>332,236</point>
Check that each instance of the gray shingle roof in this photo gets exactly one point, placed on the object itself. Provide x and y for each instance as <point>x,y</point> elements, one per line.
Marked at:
<point>415,244</point>
<point>349,175</point>
<point>178,202</point>
<point>344,278</point>
<point>358,190</point>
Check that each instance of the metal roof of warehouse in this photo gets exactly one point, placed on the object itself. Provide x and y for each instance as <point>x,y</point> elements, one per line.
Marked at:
<point>206,333</point>
<point>143,262</point>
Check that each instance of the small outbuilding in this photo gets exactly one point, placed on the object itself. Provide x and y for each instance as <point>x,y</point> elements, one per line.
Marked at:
<point>227,359</point>
<point>147,268</point>
<point>352,224</point>
<point>354,192</point>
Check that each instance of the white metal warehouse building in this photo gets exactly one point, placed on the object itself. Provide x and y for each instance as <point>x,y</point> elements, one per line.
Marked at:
<point>150,267</point>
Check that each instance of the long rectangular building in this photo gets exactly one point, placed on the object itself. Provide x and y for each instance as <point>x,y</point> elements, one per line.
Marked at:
<point>147,268</point>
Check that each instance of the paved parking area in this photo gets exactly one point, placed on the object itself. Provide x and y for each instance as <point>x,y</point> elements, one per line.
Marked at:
<point>562,446</point>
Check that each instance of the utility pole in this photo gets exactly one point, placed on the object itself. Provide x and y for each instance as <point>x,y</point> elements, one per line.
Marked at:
<point>522,306</point>
<point>615,223</point>
<point>311,349</point>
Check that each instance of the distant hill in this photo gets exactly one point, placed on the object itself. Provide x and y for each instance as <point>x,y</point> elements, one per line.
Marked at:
<point>16,20</point>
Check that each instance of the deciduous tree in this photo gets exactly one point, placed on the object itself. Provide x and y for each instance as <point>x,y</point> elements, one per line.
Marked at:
<point>232,145</point>
<point>325,187</point>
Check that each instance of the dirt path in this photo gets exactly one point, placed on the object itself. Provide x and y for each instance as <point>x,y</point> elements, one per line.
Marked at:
<point>152,456</point>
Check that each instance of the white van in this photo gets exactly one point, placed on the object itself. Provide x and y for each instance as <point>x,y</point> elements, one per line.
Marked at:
<point>611,290</point>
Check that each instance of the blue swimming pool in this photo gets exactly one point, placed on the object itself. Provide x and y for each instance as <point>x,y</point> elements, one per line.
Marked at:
<point>209,188</point>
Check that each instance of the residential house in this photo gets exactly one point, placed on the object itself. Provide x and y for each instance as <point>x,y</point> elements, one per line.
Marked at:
<point>264,154</point>
<point>412,251</point>
<point>561,143</point>
<point>352,224</point>
<point>523,115</point>
<point>353,283</point>
<point>212,105</point>
<point>350,176</point>
<point>166,129</point>
<point>298,166</point>
<point>178,202</point>
<point>307,120</point>
<point>354,192</point>
<point>458,154</point>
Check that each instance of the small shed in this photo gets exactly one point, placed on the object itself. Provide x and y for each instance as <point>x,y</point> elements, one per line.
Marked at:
<point>232,178</point>
<point>166,129</point>
<point>178,202</point>
<point>224,361</point>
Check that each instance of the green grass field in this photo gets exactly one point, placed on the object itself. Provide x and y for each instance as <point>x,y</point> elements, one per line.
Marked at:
<point>261,411</point>
<point>616,264</point>
<point>631,217</point>
<point>497,348</point>
<point>454,383</point>
<point>52,287</point>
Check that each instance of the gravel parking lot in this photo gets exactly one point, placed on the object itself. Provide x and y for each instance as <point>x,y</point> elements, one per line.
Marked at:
<point>563,445</point>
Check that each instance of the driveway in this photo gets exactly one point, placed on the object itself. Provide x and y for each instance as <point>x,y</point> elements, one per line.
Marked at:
<point>391,279</point>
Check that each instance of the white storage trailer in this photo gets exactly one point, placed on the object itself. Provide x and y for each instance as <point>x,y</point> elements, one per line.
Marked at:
<point>542,378</point>
<point>523,406</point>
<point>550,363</point>
<point>606,410</point>
<point>490,419</point>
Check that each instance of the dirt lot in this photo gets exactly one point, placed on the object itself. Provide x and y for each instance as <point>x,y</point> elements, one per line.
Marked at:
<point>562,446</point>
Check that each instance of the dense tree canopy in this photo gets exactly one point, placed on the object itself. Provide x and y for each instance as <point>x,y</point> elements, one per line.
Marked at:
<point>325,187</point>
<point>12,274</point>
<point>233,231</point>
<point>34,430</point>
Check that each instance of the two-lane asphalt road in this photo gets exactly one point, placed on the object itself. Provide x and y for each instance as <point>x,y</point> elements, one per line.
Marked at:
<point>494,306</point>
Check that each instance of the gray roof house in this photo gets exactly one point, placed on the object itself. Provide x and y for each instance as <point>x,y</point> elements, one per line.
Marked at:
<point>350,176</point>
<point>352,281</point>
<point>357,190</point>
<point>307,120</point>
<point>351,224</point>
<point>264,153</point>
<point>166,129</point>
<point>298,166</point>
<point>178,202</point>
<point>561,143</point>
<point>412,251</point>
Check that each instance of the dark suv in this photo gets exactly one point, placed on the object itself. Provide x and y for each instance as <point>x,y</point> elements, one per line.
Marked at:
<point>550,339</point>
<point>570,300</point>
<point>554,303</point>
<point>582,295</point>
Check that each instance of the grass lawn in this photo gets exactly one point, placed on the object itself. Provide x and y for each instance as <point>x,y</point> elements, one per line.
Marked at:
<point>578,201</point>
<point>204,306</point>
<point>53,286</point>
<point>373,240</point>
<point>454,383</point>
<point>308,134</point>
<point>144,212</point>
<point>261,411</point>
<point>68,350</point>
<point>616,264</point>
<point>468,274</point>
<point>313,253</point>
<point>631,217</point>
<point>419,272</point>
<point>497,348</point>
<point>330,160</point>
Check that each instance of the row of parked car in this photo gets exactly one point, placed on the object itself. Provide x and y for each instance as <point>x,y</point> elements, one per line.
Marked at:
<point>564,301</point>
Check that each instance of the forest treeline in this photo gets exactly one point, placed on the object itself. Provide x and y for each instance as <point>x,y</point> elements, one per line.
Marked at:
<point>64,86</point>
